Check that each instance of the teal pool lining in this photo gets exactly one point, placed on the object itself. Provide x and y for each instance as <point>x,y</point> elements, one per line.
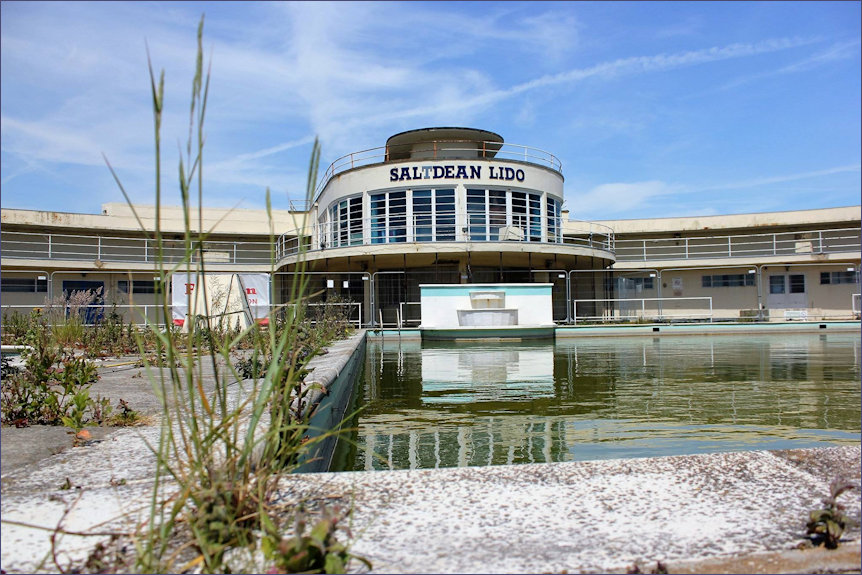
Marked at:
<point>436,290</point>
<point>666,329</point>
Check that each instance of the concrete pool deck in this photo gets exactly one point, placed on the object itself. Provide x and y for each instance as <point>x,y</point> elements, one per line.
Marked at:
<point>710,513</point>
<point>725,512</point>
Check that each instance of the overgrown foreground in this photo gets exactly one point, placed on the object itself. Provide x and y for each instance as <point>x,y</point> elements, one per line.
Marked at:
<point>220,452</point>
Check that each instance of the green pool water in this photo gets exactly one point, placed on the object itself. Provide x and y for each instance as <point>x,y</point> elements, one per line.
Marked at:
<point>447,404</point>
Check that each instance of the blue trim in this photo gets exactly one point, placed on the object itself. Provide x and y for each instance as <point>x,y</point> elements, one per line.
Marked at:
<point>466,289</point>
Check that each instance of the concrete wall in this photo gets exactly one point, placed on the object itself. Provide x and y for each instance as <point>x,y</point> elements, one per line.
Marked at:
<point>119,217</point>
<point>441,303</point>
<point>764,222</point>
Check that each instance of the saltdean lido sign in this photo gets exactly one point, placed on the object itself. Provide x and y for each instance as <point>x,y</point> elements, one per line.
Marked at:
<point>454,172</point>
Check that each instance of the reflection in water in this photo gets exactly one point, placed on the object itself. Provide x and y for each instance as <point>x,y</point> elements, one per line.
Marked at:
<point>442,404</point>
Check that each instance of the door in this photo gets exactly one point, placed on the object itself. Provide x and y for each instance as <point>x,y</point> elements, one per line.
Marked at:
<point>787,291</point>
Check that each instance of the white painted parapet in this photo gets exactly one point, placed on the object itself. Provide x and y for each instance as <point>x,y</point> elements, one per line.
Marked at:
<point>448,306</point>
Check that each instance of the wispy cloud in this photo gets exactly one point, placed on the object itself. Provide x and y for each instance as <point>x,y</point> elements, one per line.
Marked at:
<point>767,180</point>
<point>835,52</point>
<point>662,199</point>
<point>603,71</point>
<point>607,201</point>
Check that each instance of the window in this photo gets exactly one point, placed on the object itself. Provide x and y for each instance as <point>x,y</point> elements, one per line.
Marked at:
<point>23,285</point>
<point>637,284</point>
<point>555,231</point>
<point>434,215</point>
<point>728,280</point>
<point>476,216</point>
<point>797,283</point>
<point>388,217</point>
<point>776,284</point>
<point>834,278</point>
<point>526,215</point>
<point>497,215</point>
<point>345,220</point>
<point>137,286</point>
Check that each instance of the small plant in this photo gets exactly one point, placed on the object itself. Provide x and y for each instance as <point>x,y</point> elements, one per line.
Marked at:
<point>826,525</point>
<point>77,413</point>
<point>659,569</point>
<point>15,326</point>
<point>52,389</point>
<point>6,368</point>
<point>319,551</point>
<point>125,416</point>
<point>250,367</point>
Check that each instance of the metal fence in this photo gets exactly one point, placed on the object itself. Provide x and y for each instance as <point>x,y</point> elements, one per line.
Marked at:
<point>649,309</point>
<point>745,245</point>
<point>152,314</point>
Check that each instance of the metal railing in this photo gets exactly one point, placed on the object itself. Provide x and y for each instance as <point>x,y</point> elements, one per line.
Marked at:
<point>414,319</point>
<point>441,227</point>
<point>856,304</point>
<point>143,314</point>
<point>440,149</point>
<point>819,241</point>
<point>138,314</point>
<point>53,246</point>
<point>619,310</point>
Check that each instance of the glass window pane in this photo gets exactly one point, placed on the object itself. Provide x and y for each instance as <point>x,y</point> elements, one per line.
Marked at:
<point>776,284</point>
<point>797,283</point>
<point>496,213</point>
<point>445,212</point>
<point>355,220</point>
<point>476,220</point>
<point>378,218</point>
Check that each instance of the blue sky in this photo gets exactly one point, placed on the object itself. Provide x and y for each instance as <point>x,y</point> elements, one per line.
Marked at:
<point>654,109</point>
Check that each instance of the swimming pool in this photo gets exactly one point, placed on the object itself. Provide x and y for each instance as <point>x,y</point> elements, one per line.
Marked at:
<point>447,404</point>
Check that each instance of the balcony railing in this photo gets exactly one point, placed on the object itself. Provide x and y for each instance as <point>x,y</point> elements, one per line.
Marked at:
<point>739,246</point>
<point>31,245</point>
<point>457,228</point>
<point>442,227</point>
<point>438,150</point>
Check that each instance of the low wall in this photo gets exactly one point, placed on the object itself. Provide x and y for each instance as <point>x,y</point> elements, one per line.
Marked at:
<point>335,373</point>
<point>705,328</point>
<point>447,306</point>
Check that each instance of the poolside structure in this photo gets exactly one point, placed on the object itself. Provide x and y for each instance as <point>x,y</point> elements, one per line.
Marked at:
<point>458,206</point>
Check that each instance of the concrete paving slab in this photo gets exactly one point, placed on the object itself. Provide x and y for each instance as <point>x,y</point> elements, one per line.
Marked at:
<point>586,517</point>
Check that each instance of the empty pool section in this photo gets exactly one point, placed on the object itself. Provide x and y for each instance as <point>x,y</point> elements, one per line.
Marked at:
<point>448,206</point>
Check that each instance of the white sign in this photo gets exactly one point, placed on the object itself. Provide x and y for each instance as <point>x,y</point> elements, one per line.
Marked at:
<point>225,298</point>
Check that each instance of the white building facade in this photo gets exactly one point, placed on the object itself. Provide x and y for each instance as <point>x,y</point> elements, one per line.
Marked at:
<point>449,206</point>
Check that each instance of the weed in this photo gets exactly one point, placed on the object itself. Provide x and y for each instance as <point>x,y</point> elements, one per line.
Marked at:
<point>659,569</point>
<point>250,367</point>
<point>7,369</point>
<point>52,389</point>
<point>125,416</point>
<point>15,326</point>
<point>216,444</point>
<point>826,525</point>
<point>319,551</point>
